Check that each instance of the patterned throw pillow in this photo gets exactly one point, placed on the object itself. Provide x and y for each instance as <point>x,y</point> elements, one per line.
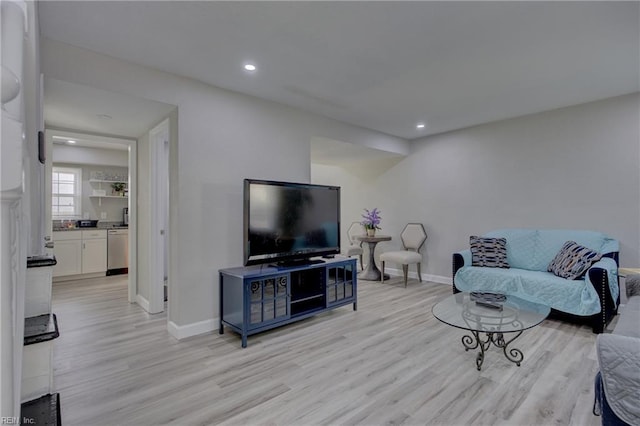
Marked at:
<point>488,252</point>
<point>573,261</point>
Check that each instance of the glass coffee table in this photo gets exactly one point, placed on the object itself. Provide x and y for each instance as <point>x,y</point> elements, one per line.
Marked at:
<point>492,315</point>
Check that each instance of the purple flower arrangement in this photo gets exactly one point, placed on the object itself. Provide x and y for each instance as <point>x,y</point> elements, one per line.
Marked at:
<point>371,219</point>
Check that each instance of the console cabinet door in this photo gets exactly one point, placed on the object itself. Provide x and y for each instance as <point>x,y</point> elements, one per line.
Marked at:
<point>340,284</point>
<point>268,300</point>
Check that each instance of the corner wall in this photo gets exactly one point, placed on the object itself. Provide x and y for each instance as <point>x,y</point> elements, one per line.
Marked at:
<point>575,168</point>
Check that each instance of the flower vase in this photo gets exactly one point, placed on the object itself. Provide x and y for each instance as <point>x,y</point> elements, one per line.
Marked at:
<point>371,232</point>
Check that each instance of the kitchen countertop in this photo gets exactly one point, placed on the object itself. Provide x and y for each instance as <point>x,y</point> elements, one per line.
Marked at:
<point>99,227</point>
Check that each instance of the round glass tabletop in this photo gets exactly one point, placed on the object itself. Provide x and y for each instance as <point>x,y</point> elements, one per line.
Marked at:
<point>462,310</point>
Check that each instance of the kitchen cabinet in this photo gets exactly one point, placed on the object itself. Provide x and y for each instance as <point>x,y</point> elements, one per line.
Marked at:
<point>68,252</point>
<point>94,251</point>
<point>80,252</point>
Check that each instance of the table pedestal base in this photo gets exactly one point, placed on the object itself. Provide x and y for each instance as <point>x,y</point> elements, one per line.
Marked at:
<point>372,274</point>
<point>497,339</point>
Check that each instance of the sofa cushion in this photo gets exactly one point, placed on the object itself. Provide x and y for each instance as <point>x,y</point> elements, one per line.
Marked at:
<point>534,249</point>
<point>576,297</point>
<point>488,252</point>
<point>520,247</point>
<point>550,241</point>
<point>573,260</point>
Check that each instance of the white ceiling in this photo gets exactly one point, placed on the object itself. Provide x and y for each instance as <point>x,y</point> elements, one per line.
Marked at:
<point>62,137</point>
<point>380,65</point>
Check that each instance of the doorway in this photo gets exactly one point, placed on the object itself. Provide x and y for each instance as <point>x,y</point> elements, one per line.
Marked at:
<point>104,113</point>
<point>92,154</point>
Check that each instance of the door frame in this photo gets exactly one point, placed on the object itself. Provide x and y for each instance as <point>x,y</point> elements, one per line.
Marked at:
<point>159,138</point>
<point>132,149</point>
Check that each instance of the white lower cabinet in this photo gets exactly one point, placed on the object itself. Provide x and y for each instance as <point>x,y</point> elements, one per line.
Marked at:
<point>68,252</point>
<point>80,252</point>
<point>94,253</point>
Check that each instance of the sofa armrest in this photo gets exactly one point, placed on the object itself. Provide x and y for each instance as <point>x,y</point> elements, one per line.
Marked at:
<point>603,276</point>
<point>619,362</point>
<point>460,259</point>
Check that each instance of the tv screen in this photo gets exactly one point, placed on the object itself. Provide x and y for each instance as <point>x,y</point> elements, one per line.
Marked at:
<point>286,221</point>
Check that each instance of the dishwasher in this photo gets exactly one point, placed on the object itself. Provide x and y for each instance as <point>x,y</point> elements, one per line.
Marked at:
<point>117,251</point>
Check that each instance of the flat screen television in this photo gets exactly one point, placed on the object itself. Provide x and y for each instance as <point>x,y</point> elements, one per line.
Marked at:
<point>287,222</point>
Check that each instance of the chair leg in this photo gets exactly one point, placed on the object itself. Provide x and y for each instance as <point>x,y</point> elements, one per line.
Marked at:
<point>382,274</point>
<point>405,271</point>
<point>361,265</point>
<point>419,273</point>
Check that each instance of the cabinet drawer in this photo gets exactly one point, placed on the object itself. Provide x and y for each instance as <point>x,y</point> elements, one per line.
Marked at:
<point>91,235</point>
<point>67,235</point>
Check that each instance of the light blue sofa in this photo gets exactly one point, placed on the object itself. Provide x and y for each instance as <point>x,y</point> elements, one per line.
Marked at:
<point>593,299</point>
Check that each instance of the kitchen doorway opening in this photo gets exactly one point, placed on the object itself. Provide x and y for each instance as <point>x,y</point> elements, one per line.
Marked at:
<point>101,160</point>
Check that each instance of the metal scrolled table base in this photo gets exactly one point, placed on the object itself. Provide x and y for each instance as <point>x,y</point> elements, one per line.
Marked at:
<point>513,354</point>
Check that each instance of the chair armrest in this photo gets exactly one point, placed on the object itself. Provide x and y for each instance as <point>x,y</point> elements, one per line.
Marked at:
<point>460,259</point>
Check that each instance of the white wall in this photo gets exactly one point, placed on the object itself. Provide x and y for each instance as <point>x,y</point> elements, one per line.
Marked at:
<point>223,137</point>
<point>358,191</point>
<point>576,168</point>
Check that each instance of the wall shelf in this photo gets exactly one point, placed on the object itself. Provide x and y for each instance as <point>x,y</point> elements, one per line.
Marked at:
<point>101,193</point>
<point>107,181</point>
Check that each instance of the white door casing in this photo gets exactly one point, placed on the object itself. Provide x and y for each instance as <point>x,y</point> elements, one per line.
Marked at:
<point>159,172</point>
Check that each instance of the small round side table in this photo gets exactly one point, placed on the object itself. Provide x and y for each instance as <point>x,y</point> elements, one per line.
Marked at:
<point>371,272</point>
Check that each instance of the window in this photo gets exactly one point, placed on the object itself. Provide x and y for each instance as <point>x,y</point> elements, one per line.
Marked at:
<point>66,192</point>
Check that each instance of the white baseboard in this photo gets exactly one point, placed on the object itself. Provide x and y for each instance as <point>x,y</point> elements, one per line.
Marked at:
<point>440,279</point>
<point>144,303</point>
<point>183,331</point>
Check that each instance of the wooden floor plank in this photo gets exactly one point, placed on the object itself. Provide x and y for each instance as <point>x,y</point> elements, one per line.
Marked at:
<point>390,362</point>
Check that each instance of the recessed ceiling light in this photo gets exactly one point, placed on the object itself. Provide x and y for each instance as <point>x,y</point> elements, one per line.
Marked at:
<point>104,116</point>
<point>71,141</point>
<point>249,67</point>
<point>420,126</point>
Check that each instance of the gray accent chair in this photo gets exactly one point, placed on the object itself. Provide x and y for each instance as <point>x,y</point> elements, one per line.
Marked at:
<point>355,246</point>
<point>413,237</point>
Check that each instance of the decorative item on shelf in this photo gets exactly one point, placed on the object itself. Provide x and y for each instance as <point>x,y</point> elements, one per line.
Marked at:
<point>118,187</point>
<point>371,221</point>
<point>96,175</point>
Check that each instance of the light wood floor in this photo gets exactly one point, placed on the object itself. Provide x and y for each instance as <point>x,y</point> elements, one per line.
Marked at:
<point>391,362</point>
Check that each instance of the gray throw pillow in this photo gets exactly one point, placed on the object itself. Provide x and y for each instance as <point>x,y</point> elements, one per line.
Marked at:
<point>488,252</point>
<point>573,261</point>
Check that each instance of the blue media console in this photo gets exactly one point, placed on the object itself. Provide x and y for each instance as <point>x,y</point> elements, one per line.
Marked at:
<point>258,298</point>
